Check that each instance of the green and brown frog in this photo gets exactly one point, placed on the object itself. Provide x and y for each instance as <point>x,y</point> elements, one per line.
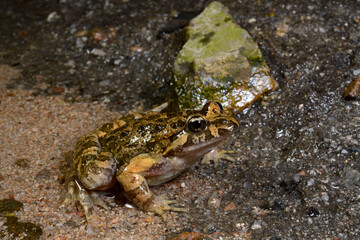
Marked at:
<point>142,150</point>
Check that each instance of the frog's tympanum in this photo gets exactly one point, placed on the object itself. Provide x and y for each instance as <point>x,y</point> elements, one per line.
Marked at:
<point>142,150</point>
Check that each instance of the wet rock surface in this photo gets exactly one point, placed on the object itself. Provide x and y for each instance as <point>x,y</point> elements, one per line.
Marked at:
<point>297,174</point>
<point>219,61</point>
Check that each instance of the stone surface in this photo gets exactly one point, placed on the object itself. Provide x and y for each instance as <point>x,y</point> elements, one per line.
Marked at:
<point>219,62</point>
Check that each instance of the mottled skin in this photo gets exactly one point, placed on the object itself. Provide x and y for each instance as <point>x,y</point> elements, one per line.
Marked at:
<point>142,150</point>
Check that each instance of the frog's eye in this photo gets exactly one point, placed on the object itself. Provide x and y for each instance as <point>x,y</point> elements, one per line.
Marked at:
<point>196,124</point>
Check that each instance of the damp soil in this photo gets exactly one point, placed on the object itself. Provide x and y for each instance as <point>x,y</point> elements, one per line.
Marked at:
<point>68,66</point>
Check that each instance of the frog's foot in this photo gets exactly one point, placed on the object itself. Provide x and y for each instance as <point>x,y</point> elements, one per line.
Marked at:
<point>160,205</point>
<point>87,199</point>
<point>217,154</point>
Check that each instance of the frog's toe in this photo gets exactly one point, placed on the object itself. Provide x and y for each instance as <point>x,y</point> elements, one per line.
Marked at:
<point>166,203</point>
<point>216,154</point>
<point>177,209</point>
<point>161,206</point>
<point>167,206</point>
<point>70,194</point>
<point>67,200</point>
<point>77,193</point>
<point>97,200</point>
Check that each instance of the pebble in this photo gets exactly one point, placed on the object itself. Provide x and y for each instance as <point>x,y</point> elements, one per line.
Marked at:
<point>80,43</point>
<point>325,196</point>
<point>351,178</point>
<point>313,212</point>
<point>72,71</point>
<point>322,30</point>
<point>310,182</point>
<point>98,52</point>
<point>214,202</point>
<point>252,20</point>
<point>230,206</point>
<point>70,63</point>
<point>237,144</point>
<point>297,177</point>
<point>52,17</point>
<point>115,220</point>
<point>105,83</point>
<point>256,225</point>
<point>210,228</point>
<point>344,151</point>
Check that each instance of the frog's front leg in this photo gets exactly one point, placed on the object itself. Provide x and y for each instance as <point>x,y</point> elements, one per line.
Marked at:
<point>216,154</point>
<point>142,171</point>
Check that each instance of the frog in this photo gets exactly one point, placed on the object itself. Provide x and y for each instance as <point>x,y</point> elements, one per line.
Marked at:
<point>141,150</point>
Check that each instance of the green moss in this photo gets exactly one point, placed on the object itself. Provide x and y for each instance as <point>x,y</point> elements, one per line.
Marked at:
<point>206,39</point>
<point>256,61</point>
<point>24,230</point>
<point>16,229</point>
<point>9,205</point>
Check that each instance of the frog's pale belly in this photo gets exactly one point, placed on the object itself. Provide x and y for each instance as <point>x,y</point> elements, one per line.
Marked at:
<point>139,150</point>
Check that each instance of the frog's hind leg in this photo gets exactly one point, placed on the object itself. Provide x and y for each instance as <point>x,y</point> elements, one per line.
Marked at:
<point>93,169</point>
<point>133,176</point>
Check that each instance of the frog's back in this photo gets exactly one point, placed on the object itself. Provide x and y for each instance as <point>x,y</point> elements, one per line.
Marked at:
<point>134,134</point>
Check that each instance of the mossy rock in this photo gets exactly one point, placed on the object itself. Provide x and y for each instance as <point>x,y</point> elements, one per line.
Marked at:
<point>221,62</point>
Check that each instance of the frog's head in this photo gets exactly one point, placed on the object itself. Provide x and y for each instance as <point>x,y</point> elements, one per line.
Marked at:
<point>204,129</point>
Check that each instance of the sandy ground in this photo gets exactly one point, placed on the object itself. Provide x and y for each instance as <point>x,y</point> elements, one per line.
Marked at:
<point>37,132</point>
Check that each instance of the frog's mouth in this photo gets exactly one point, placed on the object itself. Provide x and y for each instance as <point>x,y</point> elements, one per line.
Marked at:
<point>205,147</point>
<point>196,151</point>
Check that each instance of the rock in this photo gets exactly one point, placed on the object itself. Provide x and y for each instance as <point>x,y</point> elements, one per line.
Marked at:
<point>105,83</point>
<point>219,62</point>
<point>214,202</point>
<point>98,52</point>
<point>353,90</point>
<point>325,196</point>
<point>209,229</point>
<point>231,206</point>
<point>310,182</point>
<point>256,225</point>
<point>52,17</point>
<point>313,212</point>
<point>351,178</point>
